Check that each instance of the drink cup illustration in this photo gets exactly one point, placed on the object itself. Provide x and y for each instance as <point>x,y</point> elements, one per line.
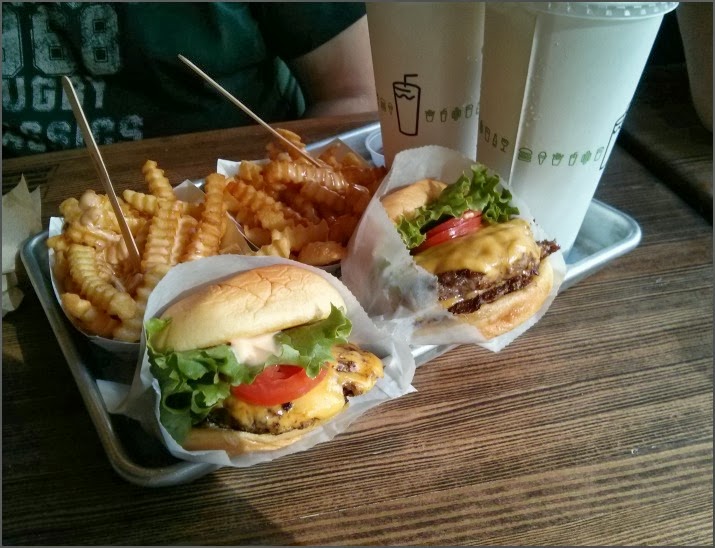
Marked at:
<point>468,110</point>
<point>426,59</point>
<point>573,158</point>
<point>612,141</point>
<point>407,102</point>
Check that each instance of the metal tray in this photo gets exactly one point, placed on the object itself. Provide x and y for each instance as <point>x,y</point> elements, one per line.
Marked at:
<point>140,458</point>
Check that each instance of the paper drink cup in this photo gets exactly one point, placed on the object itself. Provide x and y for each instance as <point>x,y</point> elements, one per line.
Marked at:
<point>427,62</point>
<point>557,81</point>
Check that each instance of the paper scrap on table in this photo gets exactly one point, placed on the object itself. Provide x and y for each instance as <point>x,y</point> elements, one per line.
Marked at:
<point>141,401</point>
<point>21,218</point>
<point>402,297</point>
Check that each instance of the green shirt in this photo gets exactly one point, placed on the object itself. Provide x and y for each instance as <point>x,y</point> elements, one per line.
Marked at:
<point>122,59</point>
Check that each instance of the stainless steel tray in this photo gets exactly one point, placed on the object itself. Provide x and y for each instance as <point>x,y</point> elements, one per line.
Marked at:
<point>140,458</point>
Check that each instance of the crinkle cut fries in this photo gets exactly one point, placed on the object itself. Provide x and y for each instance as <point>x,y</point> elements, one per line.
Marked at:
<point>287,206</point>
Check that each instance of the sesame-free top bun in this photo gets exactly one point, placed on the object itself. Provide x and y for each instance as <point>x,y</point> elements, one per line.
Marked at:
<point>407,199</point>
<point>254,302</point>
<point>511,310</point>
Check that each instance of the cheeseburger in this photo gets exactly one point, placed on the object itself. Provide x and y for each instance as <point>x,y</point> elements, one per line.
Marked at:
<point>491,273</point>
<point>255,361</point>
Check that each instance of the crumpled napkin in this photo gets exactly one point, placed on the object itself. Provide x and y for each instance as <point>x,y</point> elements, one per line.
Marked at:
<point>21,218</point>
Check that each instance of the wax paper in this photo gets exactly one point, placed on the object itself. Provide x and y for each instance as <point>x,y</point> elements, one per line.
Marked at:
<point>142,400</point>
<point>20,220</point>
<point>397,294</point>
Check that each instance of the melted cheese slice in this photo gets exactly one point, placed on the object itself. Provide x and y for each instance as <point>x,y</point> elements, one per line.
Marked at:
<point>322,402</point>
<point>491,250</point>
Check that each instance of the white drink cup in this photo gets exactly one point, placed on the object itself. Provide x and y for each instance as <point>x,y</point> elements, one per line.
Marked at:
<point>557,81</point>
<point>427,62</point>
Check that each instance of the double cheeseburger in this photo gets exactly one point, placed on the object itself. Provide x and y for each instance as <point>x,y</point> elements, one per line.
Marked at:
<point>255,361</point>
<point>491,273</point>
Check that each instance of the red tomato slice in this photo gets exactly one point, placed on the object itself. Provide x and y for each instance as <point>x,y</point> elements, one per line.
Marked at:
<point>453,222</point>
<point>277,384</point>
<point>454,228</point>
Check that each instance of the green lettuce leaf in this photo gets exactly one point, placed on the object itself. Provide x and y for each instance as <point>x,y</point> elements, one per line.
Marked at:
<point>193,382</point>
<point>476,191</point>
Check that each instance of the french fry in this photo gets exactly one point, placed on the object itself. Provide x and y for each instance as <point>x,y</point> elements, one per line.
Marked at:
<point>158,184</point>
<point>90,317</point>
<point>161,239</point>
<point>88,275</point>
<point>322,253</point>
<point>212,225</point>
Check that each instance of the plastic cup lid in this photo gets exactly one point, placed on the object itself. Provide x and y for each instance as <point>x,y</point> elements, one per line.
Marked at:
<point>604,10</point>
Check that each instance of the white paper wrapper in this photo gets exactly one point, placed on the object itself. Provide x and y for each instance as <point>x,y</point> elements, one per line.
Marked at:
<point>397,294</point>
<point>186,191</point>
<point>142,401</point>
<point>20,220</point>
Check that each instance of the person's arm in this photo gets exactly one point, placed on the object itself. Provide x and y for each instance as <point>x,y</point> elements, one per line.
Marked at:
<point>336,77</point>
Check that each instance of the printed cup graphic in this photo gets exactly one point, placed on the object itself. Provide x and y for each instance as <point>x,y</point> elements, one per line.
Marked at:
<point>558,78</point>
<point>407,100</point>
<point>417,47</point>
<point>525,154</point>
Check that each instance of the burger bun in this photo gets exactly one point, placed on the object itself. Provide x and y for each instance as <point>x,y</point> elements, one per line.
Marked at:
<point>407,199</point>
<point>254,302</point>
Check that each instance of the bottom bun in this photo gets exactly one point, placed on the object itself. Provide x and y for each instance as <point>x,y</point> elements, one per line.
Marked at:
<point>235,442</point>
<point>511,310</point>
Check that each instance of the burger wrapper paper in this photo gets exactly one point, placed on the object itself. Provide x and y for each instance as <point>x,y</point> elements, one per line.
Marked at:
<point>186,191</point>
<point>142,400</point>
<point>398,295</point>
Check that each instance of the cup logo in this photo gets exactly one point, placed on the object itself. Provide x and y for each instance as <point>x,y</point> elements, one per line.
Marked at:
<point>612,140</point>
<point>407,104</point>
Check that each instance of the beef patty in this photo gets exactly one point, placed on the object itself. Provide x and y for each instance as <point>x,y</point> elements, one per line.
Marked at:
<point>457,283</point>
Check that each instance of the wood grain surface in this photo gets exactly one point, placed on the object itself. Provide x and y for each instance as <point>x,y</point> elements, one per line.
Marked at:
<point>663,131</point>
<point>593,428</point>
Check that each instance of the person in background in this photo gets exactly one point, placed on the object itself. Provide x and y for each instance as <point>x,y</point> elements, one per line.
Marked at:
<point>283,60</point>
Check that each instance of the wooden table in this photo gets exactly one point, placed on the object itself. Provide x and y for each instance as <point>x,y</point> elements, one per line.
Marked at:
<point>594,427</point>
<point>663,131</point>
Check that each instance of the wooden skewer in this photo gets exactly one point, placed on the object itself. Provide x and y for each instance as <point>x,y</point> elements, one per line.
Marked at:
<point>101,171</point>
<point>248,111</point>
